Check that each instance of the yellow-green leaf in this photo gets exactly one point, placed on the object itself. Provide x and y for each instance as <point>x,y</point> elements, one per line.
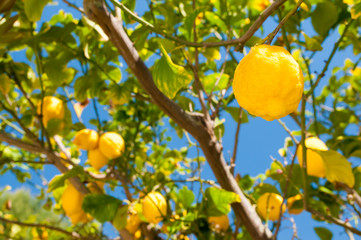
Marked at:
<point>34,9</point>
<point>338,169</point>
<point>169,77</point>
<point>356,11</point>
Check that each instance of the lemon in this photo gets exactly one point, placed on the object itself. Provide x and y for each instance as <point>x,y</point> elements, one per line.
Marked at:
<point>86,139</point>
<point>72,204</point>
<point>133,222</point>
<point>53,108</point>
<point>259,5</point>
<point>269,205</point>
<point>219,223</point>
<point>290,202</point>
<point>268,82</point>
<point>154,207</point>
<point>111,144</point>
<point>97,159</point>
<point>315,164</point>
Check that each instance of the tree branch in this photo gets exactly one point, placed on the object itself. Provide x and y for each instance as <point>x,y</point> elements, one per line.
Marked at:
<point>72,234</point>
<point>239,41</point>
<point>200,129</point>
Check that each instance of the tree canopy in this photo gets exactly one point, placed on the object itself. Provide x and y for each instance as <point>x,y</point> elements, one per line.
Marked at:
<point>124,104</point>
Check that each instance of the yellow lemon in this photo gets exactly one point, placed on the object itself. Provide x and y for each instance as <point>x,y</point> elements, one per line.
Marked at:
<point>219,223</point>
<point>86,139</point>
<point>269,204</point>
<point>133,222</point>
<point>268,82</point>
<point>349,2</point>
<point>72,204</point>
<point>260,5</point>
<point>138,234</point>
<point>36,236</point>
<point>53,108</point>
<point>315,164</point>
<point>97,159</point>
<point>111,144</point>
<point>290,202</point>
<point>154,207</point>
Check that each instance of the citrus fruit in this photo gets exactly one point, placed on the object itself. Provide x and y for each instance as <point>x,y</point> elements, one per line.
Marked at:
<point>315,164</point>
<point>219,223</point>
<point>269,205</point>
<point>86,139</point>
<point>154,207</point>
<point>259,5</point>
<point>290,202</point>
<point>268,82</point>
<point>53,108</point>
<point>133,222</point>
<point>97,159</point>
<point>72,204</point>
<point>111,144</point>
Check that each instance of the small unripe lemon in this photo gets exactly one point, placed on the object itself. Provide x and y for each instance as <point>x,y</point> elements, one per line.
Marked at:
<point>111,144</point>
<point>154,207</point>
<point>268,82</point>
<point>219,223</point>
<point>315,164</point>
<point>72,204</point>
<point>97,159</point>
<point>86,139</point>
<point>290,202</point>
<point>53,108</point>
<point>133,222</point>
<point>269,205</point>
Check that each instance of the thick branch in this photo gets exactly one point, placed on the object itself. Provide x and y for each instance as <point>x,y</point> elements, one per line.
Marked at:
<point>197,126</point>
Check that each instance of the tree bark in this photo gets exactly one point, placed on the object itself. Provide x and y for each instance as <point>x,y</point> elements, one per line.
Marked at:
<point>198,127</point>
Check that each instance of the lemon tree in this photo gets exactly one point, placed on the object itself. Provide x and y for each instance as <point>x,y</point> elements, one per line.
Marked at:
<point>180,119</point>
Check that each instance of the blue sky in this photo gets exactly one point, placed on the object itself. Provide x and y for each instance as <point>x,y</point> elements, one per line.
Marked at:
<point>259,139</point>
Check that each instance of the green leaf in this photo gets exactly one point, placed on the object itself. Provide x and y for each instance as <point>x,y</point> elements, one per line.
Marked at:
<point>356,10</point>
<point>102,207</point>
<point>189,20</point>
<point>59,180</point>
<point>186,197</point>
<point>338,169</point>
<point>323,233</point>
<point>218,201</point>
<point>215,82</point>
<point>34,9</point>
<point>324,17</point>
<point>169,77</point>
<point>234,111</point>
<point>216,20</point>
<point>312,44</point>
<point>120,219</point>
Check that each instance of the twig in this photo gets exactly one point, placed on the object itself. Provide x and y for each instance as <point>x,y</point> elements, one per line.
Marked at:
<point>32,162</point>
<point>72,234</point>
<point>12,125</point>
<point>335,47</point>
<point>337,221</point>
<point>242,40</point>
<point>288,179</point>
<point>304,155</point>
<point>288,131</point>
<point>74,6</point>
<point>235,147</point>
<point>269,38</point>
<point>97,115</point>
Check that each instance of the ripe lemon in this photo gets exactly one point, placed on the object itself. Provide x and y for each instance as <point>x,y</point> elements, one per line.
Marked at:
<point>219,223</point>
<point>315,165</point>
<point>290,202</point>
<point>111,144</point>
<point>154,207</point>
<point>269,204</point>
<point>97,159</point>
<point>259,5</point>
<point>72,204</point>
<point>133,222</point>
<point>268,82</point>
<point>53,108</point>
<point>86,139</point>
